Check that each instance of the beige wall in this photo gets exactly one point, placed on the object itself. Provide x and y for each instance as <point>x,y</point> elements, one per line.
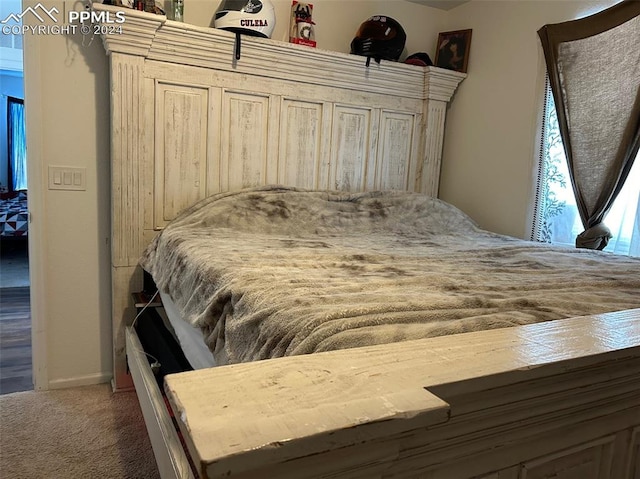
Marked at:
<point>491,132</point>
<point>67,108</point>
<point>487,168</point>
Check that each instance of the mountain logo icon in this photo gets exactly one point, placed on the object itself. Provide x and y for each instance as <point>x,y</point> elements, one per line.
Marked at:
<point>39,11</point>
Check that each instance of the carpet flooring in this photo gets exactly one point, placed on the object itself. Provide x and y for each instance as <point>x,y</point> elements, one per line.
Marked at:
<point>85,432</point>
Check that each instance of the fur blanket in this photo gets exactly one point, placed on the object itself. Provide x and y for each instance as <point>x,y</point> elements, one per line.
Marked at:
<point>274,271</point>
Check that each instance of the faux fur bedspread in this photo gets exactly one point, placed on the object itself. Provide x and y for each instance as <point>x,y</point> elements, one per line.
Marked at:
<point>276,271</point>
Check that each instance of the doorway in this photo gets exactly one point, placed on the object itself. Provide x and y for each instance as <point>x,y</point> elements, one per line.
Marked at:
<point>15,307</point>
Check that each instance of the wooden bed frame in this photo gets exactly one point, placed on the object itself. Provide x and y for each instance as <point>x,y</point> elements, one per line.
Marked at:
<point>188,120</point>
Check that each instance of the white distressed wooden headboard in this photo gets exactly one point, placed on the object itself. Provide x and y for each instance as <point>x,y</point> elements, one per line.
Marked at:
<point>188,120</point>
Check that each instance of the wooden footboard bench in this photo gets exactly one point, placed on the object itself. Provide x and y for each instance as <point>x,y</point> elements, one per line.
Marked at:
<point>559,399</point>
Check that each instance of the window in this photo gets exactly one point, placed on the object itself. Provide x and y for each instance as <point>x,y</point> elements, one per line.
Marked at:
<point>556,218</point>
<point>17,144</point>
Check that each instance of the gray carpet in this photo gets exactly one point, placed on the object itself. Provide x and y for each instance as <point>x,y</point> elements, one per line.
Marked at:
<point>86,432</point>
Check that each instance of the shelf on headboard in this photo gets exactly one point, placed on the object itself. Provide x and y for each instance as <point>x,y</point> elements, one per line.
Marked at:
<point>154,37</point>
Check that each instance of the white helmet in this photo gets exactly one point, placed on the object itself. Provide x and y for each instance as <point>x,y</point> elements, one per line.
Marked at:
<point>251,17</point>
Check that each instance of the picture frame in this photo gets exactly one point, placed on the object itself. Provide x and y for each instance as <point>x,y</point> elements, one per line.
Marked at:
<point>452,51</point>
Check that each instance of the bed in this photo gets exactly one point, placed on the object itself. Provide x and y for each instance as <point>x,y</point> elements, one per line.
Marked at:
<point>278,271</point>
<point>14,215</point>
<point>551,394</point>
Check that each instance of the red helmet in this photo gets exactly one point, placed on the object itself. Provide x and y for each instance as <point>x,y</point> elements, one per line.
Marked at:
<point>380,37</point>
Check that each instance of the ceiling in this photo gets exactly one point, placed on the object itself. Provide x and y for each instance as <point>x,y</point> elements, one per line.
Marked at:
<point>441,4</point>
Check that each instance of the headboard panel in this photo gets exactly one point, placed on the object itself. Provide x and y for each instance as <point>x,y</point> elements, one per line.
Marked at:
<point>221,133</point>
<point>188,121</point>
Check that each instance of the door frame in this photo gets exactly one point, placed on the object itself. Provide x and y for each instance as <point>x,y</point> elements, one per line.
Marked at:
<point>37,230</point>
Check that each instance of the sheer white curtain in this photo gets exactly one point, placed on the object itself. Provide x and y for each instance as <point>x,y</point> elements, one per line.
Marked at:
<point>624,217</point>
<point>557,219</point>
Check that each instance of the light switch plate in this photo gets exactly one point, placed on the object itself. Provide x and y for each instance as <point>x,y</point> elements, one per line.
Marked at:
<point>67,178</point>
